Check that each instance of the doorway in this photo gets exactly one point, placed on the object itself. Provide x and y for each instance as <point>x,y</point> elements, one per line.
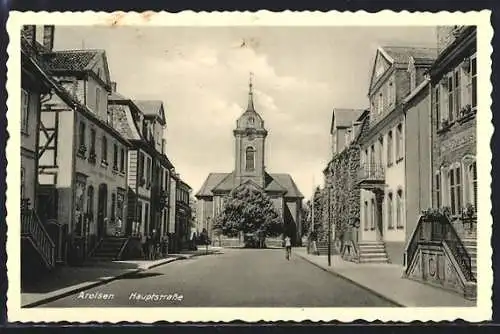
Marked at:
<point>102,206</point>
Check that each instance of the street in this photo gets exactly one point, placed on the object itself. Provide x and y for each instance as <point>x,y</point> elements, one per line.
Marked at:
<point>235,277</point>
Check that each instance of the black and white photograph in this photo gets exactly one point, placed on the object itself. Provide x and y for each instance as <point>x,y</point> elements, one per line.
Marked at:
<point>249,162</point>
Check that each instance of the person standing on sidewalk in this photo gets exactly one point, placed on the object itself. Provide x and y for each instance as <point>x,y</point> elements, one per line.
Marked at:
<point>288,247</point>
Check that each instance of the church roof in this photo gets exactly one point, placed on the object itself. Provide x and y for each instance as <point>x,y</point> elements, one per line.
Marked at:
<point>225,182</point>
<point>212,180</point>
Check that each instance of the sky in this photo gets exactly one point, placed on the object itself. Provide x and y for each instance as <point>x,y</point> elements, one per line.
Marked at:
<point>201,74</point>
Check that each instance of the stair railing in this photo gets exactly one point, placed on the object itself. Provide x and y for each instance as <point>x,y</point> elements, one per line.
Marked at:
<point>32,227</point>
<point>438,228</point>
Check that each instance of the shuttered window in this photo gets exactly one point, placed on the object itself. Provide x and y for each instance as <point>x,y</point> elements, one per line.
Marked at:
<point>438,189</point>
<point>455,190</point>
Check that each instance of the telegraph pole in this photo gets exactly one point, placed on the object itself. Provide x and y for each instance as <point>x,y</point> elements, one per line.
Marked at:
<point>329,229</point>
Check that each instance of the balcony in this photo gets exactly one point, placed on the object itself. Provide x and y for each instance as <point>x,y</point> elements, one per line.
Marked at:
<point>371,176</point>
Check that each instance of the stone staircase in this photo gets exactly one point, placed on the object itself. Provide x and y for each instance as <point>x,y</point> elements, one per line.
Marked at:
<point>372,252</point>
<point>108,249</point>
<point>471,245</point>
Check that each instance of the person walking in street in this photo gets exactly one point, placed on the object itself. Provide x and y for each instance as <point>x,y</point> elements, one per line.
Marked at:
<point>288,247</point>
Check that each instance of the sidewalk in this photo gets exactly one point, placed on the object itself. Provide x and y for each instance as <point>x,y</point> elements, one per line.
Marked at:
<point>386,280</point>
<point>66,280</point>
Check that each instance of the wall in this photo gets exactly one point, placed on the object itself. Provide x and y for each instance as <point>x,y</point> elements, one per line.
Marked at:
<point>65,159</point>
<point>418,164</point>
<point>29,149</point>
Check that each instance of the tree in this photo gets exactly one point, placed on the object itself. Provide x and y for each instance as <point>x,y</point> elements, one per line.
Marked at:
<point>248,210</point>
<point>306,218</point>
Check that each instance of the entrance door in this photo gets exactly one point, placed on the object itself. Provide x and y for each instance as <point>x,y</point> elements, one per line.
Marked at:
<point>102,202</point>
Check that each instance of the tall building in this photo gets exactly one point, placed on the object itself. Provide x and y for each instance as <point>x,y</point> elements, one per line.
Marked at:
<point>249,168</point>
<point>397,71</point>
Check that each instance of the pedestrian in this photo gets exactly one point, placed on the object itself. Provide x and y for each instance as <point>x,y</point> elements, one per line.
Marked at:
<point>288,247</point>
<point>152,244</point>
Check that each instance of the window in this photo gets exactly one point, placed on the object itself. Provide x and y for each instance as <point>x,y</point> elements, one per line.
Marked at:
<point>104,149</point>
<point>115,156</point>
<point>470,73</point>
<point>390,94</point>
<point>437,105</point>
<point>438,189</point>
<point>372,155</point>
<point>109,119</point>
<point>97,99</point>
<point>390,221</point>
<point>457,92</point>
<point>473,183</point>
<point>372,214</point>
<point>380,150</point>
<point>399,142</point>
<point>145,129</point>
<point>25,102</point>
<point>92,141</point>
<point>250,159</point>
<point>380,103</point>
<point>81,134</point>
<point>122,160</point>
<point>389,148</point>
<point>450,97</point>
<point>399,209</point>
<point>473,70</point>
<point>455,189</point>
<point>141,168</point>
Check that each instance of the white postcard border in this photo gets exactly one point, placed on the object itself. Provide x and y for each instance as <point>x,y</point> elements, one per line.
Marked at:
<point>481,312</point>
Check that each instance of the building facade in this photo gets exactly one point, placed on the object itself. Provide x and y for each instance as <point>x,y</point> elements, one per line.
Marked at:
<point>397,71</point>
<point>249,168</point>
<point>83,159</point>
<point>183,215</point>
<point>37,245</point>
<point>143,124</point>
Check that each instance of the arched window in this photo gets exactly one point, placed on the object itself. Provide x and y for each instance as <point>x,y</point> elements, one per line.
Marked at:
<point>399,209</point>
<point>366,216</point>
<point>390,221</point>
<point>473,183</point>
<point>250,159</point>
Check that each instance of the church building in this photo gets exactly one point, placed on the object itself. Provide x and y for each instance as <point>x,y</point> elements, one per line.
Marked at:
<point>249,168</point>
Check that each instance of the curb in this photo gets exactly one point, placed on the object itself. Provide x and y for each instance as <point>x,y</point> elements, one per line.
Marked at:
<point>94,284</point>
<point>378,294</point>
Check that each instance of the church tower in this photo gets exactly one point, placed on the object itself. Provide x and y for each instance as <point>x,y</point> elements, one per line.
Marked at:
<point>250,137</point>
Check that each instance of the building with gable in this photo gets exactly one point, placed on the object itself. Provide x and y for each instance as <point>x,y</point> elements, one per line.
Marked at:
<point>82,158</point>
<point>397,71</point>
<point>249,168</point>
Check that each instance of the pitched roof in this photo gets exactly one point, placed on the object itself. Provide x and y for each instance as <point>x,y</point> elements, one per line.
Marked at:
<point>151,108</point>
<point>224,182</point>
<point>286,181</point>
<point>72,60</point>
<point>212,180</point>
<point>402,54</point>
<point>344,117</point>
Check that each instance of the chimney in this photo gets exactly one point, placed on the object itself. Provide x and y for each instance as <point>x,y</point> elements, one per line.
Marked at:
<point>113,86</point>
<point>28,32</point>
<point>48,37</point>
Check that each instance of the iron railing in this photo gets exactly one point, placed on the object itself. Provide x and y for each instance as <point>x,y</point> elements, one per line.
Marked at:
<point>371,172</point>
<point>32,227</point>
<point>439,229</point>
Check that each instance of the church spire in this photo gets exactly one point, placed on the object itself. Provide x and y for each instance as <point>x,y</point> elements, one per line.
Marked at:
<point>250,94</point>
